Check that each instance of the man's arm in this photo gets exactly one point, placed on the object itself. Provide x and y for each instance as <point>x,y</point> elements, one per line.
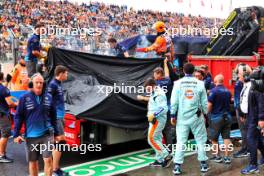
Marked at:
<point>166,68</point>
<point>36,53</point>
<point>210,107</point>
<point>19,118</point>
<point>174,100</point>
<point>260,104</point>
<point>163,106</point>
<point>237,91</point>
<point>14,75</point>
<point>142,98</point>
<point>126,54</point>
<point>204,101</point>
<point>52,88</point>
<point>9,100</point>
<point>50,112</point>
<point>157,44</point>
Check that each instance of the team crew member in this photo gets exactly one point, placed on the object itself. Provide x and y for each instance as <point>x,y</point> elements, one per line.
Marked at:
<point>19,76</point>
<point>208,81</point>
<point>33,51</point>
<point>199,74</point>
<point>188,103</point>
<point>5,123</point>
<point>255,131</point>
<point>40,124</point>
<point>157,117</point>
<point>163,45</point>
<point>118,49</point>
<point>162,79</point>
<point>55,90</point>
<point>220,118</point>
<point>243,83</point>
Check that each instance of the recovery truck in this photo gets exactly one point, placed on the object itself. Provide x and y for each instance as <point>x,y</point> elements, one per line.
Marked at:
<point>246,45</point>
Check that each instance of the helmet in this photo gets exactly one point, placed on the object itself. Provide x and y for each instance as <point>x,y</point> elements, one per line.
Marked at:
<point>159,26</point>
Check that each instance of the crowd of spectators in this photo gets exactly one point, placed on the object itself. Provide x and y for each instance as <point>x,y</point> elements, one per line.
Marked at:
<point>18,18</point>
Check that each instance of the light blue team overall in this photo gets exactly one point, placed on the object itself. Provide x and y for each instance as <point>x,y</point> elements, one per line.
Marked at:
<point>158,105</point>
<point>188,95</point>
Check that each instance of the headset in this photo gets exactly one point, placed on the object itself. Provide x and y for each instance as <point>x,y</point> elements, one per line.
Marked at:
<point>30,84</point>
<point>246,74</point>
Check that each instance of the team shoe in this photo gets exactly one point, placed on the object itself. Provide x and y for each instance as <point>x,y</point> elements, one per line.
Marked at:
<point>241,154</point>
<point>156,164</point>
<point>251,169</point>
<point>177,169</point>
<point>167,161</point>
<point>217,159</point>
<point>5,159</point>
<point>227,160</point>
<point>60,172</point>
<point>204,166</point>
<point>261,162</point>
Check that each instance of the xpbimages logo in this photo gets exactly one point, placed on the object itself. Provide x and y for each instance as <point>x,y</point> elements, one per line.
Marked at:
<point>189,146</point>
<point>127,89</point>
<point>194,31</point>
<point>82,148</point>
<point>61,31</point>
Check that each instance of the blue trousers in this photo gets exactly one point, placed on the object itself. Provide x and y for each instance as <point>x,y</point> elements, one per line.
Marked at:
<point>254,142</point>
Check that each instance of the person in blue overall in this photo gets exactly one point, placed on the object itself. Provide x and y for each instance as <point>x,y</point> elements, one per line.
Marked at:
<point>188,104</point>
<point>157,117</point>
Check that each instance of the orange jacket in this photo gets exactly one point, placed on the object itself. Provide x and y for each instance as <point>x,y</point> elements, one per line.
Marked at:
<point>19,78</point>
<point>160,45</point>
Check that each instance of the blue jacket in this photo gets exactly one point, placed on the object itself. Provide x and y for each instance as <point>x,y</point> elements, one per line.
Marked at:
<point>255,107</point>
<point>4,93</point>
<point>120,50</point>
<point>33,44</point>
<point>208,82</point>
<point>166,84</point>
<point>238,88</point>
<point>37,114</point>
<point>220,97</point>
<point>56,92</point>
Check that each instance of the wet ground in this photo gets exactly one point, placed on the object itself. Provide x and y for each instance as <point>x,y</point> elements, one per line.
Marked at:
<point>191,168</point>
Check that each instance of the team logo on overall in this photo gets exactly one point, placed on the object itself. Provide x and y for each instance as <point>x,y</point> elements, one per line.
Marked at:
<point>189,94</point>
<point>28,99</point>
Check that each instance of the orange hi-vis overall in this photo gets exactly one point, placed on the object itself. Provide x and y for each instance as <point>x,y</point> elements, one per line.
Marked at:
<point>162,46</point>
<point>19,78</point>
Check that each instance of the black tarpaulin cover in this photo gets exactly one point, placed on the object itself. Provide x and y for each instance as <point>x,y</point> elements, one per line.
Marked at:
<point>91,75</point>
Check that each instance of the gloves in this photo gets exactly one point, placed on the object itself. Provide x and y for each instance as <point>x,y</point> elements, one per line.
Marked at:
<point>151,117</point>
<point>141,50</point>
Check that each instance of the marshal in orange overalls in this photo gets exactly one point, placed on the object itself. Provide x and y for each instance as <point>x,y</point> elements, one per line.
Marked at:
<point>19,77</point>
